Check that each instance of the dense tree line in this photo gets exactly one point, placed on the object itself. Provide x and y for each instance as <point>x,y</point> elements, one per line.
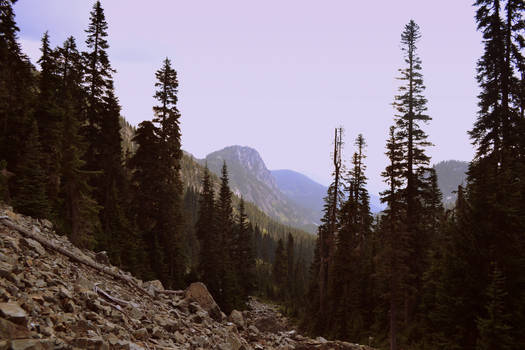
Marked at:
<point>421,277</point>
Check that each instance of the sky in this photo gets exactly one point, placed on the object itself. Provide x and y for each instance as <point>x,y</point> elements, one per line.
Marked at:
<point>279,76</point>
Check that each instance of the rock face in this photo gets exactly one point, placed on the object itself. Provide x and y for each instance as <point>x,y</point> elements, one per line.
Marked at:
<point>49,301</point>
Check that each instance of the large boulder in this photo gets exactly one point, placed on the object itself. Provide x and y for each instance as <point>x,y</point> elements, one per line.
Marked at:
<point>199,293</point>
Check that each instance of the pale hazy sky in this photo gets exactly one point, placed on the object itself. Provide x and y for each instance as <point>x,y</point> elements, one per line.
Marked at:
<point>280,75</point>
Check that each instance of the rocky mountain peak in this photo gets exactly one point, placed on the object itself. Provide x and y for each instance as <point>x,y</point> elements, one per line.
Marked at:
<point>247,158</point>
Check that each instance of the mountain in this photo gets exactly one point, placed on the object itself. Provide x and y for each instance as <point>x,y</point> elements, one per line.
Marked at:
<point>451,174</point>
<point>304,191</point>
<point>301,189</point>
<point>251,179</point>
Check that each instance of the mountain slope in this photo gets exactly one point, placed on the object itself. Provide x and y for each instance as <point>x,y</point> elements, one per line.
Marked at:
<point>301,189</point>
<point>451,174</point>
<point>250,178</point>
<point>304,191</point>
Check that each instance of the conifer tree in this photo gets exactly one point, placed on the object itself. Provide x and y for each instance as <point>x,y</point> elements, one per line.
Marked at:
<point>229,295</point>
<point>79,211</point>
<point>101,129</point>
<point>31,196</point>
<point>495,326</point>
<point>245,259</point>
<point>146,196</point>
<point>207,234</point>
<point>394,251</point>
<point>279,271</point>
<point>348,280</point>
<point>16,92</point>
<point>97,80</point>
<point>49,118</point>
<point>290,266</point>
<point>166,116</point>
<point>411,108</point>
<point>111,185</point>
<point>495,176</point>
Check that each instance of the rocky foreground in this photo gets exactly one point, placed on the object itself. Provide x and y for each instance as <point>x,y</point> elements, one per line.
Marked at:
<point>56,296</point>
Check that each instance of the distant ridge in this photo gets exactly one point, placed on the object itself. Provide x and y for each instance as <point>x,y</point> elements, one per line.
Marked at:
<point>250,178</point>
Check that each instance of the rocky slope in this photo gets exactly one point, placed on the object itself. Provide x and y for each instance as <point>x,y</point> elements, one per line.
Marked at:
<point>56,296</point>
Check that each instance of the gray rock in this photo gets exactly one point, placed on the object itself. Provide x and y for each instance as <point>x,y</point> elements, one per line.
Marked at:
<point>269,323</point>
<point>179,337</point>
<point>102,258</point>
<point>237,318</point>
<point>141,334</point>
<point>134,312</point>
<point>155,285</point>
<point>83,284</point>
<point>10,330</point>
<point>31,344</point>
<point>232,343</point>
<point>199,293</point>
<point>6,271</point>
<point>13,312</point>
<point>64,293</point>
<point>95,343</point>
<point>32,244</point>
<point>12,243</point>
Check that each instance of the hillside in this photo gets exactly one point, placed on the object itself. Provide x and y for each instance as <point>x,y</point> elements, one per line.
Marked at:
<point>192,173</point>
<point>451,174</point>
<point>250,178</point>
<point>56,296</point>
<point>301,189</point>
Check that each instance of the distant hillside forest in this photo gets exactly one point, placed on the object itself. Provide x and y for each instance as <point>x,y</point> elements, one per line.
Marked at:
<point>419,276</point>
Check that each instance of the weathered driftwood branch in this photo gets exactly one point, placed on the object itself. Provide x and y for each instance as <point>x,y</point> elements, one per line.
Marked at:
<point>106,270</point>
<point>109,297</point>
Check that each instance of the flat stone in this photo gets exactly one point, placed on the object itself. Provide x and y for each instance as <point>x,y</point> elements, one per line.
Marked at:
<point>83,284</point>
<point>179,337</point>
<point>134,312</point>
<point>31,243</point>
<point>13,312</point>
<point>7,258</point>
<point>31,344</point>
<point>141,334</point>
<point>95,343</point>
<point>12,243</point>
<point>10,330</point>
<point>6,271</point>
<point>153,286</point>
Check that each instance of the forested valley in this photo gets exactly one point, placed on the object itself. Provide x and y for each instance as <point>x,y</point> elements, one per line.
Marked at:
<point>418,275</point>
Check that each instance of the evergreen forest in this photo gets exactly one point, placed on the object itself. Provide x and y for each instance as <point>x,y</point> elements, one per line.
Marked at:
<point>418,275</point>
